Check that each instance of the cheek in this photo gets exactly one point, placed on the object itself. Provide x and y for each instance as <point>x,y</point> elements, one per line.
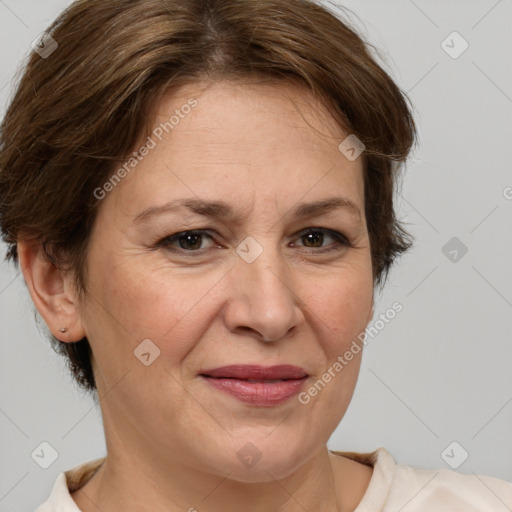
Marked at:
<point>169,308</point>
<point>343,305</point>
<point>344,312</point>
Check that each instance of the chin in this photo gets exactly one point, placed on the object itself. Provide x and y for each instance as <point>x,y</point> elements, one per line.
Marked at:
<point>261,460</point>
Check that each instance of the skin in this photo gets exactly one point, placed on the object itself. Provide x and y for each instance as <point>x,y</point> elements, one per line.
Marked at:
<point>172,440</point>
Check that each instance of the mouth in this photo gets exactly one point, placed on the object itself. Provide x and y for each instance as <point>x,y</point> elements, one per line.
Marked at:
<point>256,373</point>
<point>263,386</point>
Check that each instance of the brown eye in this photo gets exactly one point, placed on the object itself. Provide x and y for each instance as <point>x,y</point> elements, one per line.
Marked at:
<point>189,241</point>
<point>313,238</point>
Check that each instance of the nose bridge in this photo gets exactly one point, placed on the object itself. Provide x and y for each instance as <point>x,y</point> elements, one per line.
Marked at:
<point>263,300</point>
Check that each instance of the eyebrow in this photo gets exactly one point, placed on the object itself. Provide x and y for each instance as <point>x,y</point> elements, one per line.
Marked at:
<point>222,210</point>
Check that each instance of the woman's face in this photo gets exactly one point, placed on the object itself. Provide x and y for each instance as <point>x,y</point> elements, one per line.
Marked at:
<point>252,288</point>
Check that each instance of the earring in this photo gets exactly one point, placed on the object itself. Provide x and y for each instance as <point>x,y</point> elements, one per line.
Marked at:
<point>63,329</point>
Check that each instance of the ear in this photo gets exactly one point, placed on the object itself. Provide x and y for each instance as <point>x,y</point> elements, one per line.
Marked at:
<point>51,291</point>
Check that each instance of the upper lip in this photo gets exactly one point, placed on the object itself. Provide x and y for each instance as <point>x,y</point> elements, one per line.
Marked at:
<point>242,371</point>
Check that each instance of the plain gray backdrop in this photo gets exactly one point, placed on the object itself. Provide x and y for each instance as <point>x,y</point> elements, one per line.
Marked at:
<point>440,372</point>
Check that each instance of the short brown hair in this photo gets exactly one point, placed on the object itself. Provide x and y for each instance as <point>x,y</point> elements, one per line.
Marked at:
<point>79,111</point>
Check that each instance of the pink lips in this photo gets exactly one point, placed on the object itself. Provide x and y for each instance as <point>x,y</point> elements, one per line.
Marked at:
<point>257,385</point>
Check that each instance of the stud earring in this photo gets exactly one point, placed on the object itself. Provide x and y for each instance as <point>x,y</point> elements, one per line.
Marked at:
<point>63,329</point>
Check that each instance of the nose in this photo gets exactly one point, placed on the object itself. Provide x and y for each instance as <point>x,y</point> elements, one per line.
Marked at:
<point>262,299</point>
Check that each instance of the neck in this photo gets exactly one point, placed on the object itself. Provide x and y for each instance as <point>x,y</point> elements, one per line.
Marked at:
<point>141,473</point>
<point>137,483</point>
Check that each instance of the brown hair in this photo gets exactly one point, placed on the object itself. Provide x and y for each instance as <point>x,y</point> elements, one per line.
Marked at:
<point>81,109</point>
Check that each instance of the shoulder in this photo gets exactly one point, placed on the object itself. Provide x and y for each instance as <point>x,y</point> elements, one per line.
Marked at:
<point>68,481</point>
<point>448,491</point>
<point>399,487</point>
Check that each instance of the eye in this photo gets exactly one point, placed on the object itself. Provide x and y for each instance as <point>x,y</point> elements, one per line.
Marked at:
<point>191,242</point>
<point>316,236</point>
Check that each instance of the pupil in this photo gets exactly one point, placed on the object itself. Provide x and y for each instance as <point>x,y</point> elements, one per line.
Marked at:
<point>187,238</point>
<point>315,237</point>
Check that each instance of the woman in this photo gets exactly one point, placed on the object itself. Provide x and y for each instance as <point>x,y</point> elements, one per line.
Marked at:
<point>175,162</point>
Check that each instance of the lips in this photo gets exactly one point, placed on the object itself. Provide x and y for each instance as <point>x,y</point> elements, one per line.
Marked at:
<point>256,373</point>
<point>262,386</point>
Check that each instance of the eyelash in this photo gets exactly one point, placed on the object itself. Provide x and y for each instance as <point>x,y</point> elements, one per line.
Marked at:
<point>340,240</point>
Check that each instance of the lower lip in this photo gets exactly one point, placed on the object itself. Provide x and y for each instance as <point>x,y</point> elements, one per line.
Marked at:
<point>258,393</point>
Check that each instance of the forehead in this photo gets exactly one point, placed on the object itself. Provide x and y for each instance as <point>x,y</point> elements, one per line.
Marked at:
<point>236,142</point>
<point>246,109</point>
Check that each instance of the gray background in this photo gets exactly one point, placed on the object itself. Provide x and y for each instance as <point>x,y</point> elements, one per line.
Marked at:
<point>440,371</point>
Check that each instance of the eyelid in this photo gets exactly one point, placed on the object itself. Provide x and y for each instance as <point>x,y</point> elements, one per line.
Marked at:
<point>333,233</point>
<point>340,240</point>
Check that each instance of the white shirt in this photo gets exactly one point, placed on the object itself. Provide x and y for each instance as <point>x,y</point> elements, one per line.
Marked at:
<point>393,487</point>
